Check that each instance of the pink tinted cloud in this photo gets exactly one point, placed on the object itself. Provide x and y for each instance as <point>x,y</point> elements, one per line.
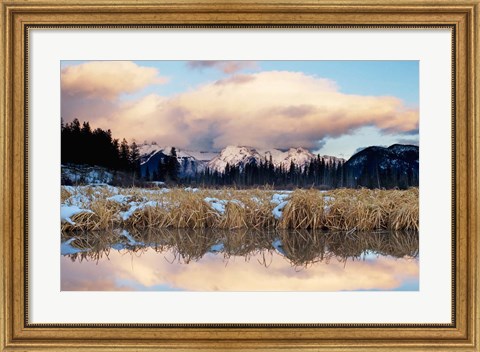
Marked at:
<point>107,79</point>
<point>227,67</point>
<point>276,109</point>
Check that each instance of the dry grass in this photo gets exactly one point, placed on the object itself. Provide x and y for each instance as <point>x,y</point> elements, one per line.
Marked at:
<point>305,210</point>
<point>64,194</point>
<point>336,210</point>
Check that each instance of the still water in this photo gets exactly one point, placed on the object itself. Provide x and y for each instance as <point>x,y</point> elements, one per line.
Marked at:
<point>241,260</point>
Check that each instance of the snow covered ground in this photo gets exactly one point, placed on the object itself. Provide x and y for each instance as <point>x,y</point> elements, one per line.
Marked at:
<point>85,175</point>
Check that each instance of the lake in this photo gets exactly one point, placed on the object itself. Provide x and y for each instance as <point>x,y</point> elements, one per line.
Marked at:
<point>239,260</point>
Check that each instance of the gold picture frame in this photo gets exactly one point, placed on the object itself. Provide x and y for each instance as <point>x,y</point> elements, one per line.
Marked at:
<point>17,334</point>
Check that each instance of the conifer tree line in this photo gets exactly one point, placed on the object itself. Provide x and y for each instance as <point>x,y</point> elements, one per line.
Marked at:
<point>372,176</point>
<point>319,171</point>
<point>84,146</point>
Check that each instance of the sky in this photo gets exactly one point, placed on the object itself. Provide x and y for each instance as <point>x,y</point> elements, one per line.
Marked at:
<point>329,107</point>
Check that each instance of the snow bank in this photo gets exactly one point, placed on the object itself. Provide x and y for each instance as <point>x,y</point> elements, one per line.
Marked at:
<point>278,198</point>
<point>78,200</point>
<point>216,204</point>
<point>219,204</point>
<point>86,174</point>
<point>155,191</point>
<point>67,211</point>
<point>119,198</point>
<point>327,201</point>
<point>278,210</point>
<point>134,206</point>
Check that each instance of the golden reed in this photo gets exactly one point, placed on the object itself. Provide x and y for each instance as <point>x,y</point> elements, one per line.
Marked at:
<point>336,210</point>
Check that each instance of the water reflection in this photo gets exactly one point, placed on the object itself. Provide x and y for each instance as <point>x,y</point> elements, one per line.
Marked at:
<point>244,260</point>
<point>300,247</point>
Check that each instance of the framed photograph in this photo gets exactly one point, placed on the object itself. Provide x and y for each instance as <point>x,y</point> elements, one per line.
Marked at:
<point>236,175</point>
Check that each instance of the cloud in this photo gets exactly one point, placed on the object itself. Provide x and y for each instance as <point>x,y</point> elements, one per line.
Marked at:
<point>272,109</point>
<point>296,111</point>
<point>106,80</point>
<point>227,67</point>
<point>358,150</point>
<point>412,141</point>
<point>236,79</point>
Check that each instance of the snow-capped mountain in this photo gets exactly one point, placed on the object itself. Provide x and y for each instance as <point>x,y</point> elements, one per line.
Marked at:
<point>196,161</point>
<point>241,156</point>
<point>190,161</point>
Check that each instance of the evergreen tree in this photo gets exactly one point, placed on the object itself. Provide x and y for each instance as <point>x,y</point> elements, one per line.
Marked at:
<point>134,159</point>
<point>124,155</point>
<point>173,166</point>
<point>115,152</point>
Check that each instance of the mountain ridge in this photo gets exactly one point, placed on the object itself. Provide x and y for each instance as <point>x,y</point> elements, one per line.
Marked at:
<point>239,156</point>
<point>386,167</point>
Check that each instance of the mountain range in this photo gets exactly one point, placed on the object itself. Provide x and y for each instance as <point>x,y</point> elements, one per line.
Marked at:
<point>197,161</point>
<point>370,166</point>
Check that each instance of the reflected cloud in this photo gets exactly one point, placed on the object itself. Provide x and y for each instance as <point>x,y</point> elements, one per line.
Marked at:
<point>213,274</point>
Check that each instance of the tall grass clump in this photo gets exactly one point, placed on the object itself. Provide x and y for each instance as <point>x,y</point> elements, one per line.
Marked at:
<point>247,209</point>
<point>176,209</point>
<point>362,210</point>
<point>404,214</point>
<point>304,210</point>
<point>191,211</point>
<point>84,221</point>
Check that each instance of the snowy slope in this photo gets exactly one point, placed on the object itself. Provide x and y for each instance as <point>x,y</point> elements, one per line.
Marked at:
<point>196,161</point>
<point>149,150</point>
<point>201,156</point>
<point>83,174</point>
<point>238,156</point>
<point>241,156</point>
<point>190,161</point>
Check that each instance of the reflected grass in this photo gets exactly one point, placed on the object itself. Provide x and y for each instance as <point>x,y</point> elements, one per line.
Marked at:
<point>301,248</point>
